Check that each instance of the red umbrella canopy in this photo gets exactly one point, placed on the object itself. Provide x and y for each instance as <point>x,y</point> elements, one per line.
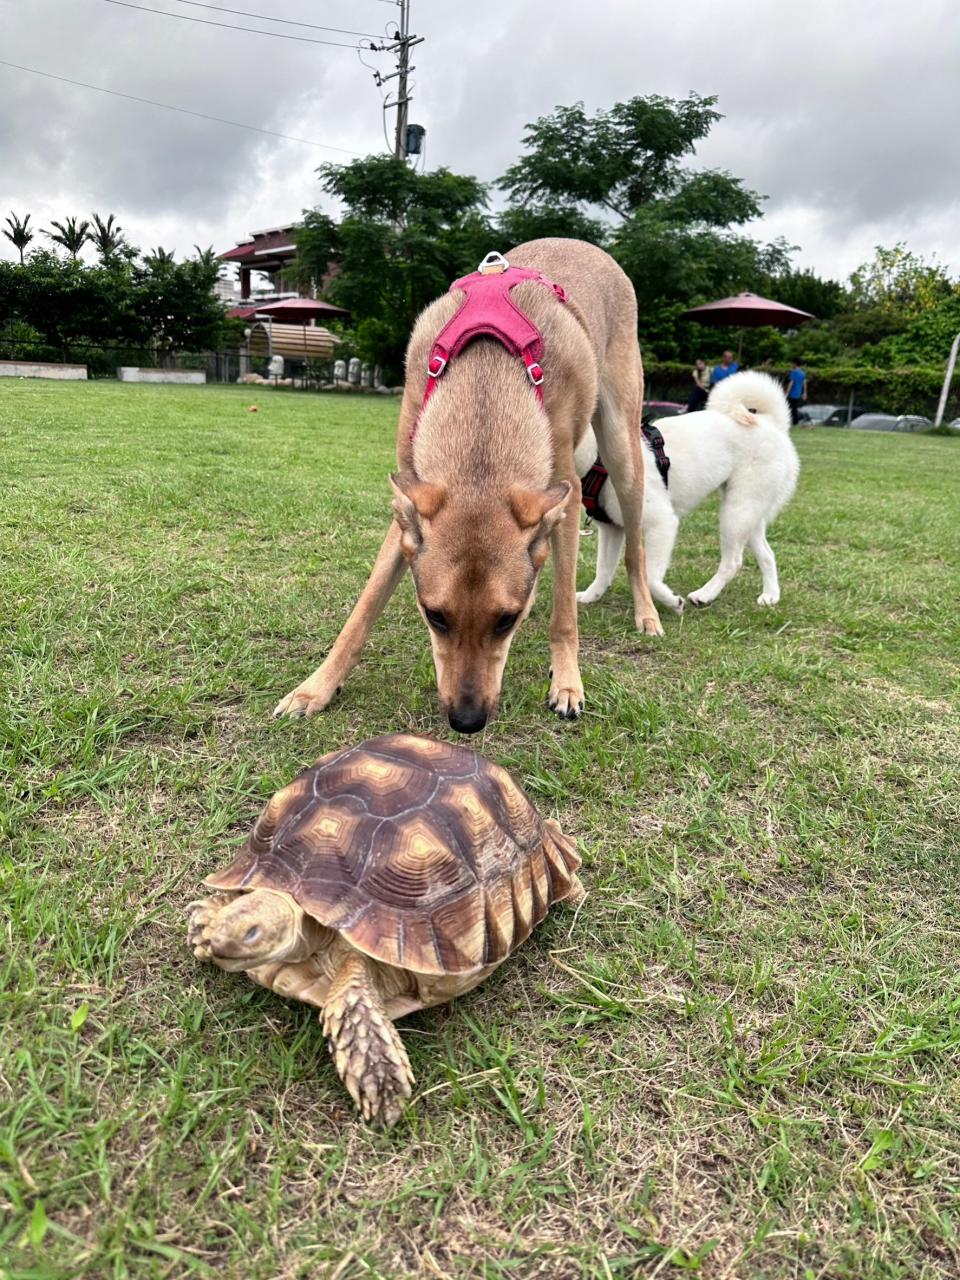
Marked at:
<point>291,311</point>
<point>748,310</point>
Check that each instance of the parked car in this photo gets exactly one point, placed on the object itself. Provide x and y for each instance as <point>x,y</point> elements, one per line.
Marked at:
<point>890,422</point>
<point>839,416</point>
<point>829,415</point>
<point>817,413</point>
<point>662,408</point>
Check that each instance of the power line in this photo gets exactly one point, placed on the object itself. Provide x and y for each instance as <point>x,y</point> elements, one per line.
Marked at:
<point>283,22</point>
<point>200,115</point>
<point>231,26</point>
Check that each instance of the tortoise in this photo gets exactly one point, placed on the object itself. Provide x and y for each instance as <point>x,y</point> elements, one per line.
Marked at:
<point>388,877</point>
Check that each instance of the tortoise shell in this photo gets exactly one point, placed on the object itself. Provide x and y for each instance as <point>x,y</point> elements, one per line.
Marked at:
<point>422,854</point>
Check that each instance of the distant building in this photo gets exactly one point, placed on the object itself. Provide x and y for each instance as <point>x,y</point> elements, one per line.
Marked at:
<point>272,252</point>
<point>226,290</point>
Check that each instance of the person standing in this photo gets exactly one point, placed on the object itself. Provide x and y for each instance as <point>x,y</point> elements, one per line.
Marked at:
<point>701,385</point>
<point>796,390</point>
<point>724,369</point>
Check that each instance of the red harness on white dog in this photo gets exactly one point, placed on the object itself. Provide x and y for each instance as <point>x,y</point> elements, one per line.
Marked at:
<point>488,311</point>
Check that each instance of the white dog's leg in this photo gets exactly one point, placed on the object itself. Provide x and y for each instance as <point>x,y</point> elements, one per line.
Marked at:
<point>610,538</point>
<point>768,567</point>
<point>735,528</point>
<point>660,526</point>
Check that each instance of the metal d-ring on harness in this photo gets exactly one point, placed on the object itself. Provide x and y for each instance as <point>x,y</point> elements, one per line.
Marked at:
<point>594,480</point>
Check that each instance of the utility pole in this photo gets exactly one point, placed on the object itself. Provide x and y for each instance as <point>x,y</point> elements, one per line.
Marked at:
<point>401,44</point>
<point>403,66</point>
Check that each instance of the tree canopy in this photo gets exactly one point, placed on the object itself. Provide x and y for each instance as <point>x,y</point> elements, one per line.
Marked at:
<point>65,304</point>
<point>402,237</point>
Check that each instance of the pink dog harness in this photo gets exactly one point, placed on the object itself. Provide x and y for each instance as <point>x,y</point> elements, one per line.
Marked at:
<point>488,311</point>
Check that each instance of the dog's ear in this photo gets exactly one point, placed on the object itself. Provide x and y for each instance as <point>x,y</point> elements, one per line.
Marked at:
<point>543,507</point>
<point>413,502</point>
<point>540,510</point>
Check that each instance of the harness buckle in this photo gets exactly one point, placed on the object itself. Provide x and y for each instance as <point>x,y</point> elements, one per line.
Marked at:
<point>536,373</point>
<point>441,365</point>
<point>493,264</point>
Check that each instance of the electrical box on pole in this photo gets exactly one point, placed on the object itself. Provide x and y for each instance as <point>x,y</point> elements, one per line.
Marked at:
<point>414,139</point>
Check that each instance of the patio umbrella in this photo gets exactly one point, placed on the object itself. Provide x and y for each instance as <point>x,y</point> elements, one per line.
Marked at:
<point>748,311</point>
<point>291,311</point>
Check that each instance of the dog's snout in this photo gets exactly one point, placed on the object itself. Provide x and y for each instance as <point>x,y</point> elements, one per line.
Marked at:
<point>468,717</point>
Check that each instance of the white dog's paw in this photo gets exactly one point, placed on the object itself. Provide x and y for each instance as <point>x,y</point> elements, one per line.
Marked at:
<point>589,596</point>
<point>679,605</point>
<point>699,599</point>
<point>769,598</point>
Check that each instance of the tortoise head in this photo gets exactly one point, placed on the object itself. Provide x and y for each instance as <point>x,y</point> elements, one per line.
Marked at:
<point>257,928</point>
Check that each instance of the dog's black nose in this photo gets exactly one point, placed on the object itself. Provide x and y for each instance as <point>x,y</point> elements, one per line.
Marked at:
<point>467,719</point>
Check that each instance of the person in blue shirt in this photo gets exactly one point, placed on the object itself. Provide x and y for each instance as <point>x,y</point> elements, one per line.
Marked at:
<point>724,369</point>
<point>796,390</point>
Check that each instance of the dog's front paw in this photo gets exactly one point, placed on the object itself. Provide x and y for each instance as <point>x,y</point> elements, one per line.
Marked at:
<point>699,599</point>
<point>590,595</point>
<point>308,698</point>
<point>769,598</point>
<point>566,697</point>
<point>649,624</point>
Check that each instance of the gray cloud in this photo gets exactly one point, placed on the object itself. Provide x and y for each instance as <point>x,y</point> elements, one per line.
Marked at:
<point>844,114</point>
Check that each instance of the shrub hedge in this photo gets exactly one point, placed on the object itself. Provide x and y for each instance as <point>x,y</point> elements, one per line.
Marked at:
<point>914,390</point>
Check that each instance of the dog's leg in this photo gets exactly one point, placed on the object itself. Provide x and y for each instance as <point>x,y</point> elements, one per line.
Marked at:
<point>566,687</point>
<point>768,567</point>
<point>318,689</point>
<point>659,534</point>
<point>609,551</point>
<point>735,527</point>
<point>618,439</point>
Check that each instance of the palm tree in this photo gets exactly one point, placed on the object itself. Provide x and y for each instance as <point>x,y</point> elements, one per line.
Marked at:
<point>160,257</point>
<point>19,234</point>
<point>207,257</point>
<point>107,236</point>
<point>73,235</point>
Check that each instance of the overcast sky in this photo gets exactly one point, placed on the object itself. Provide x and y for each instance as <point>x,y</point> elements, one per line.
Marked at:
<point>845,113</point>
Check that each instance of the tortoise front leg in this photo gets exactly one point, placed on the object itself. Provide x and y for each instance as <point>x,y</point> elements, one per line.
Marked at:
<point>367,1050</point>
<point>202,914</point>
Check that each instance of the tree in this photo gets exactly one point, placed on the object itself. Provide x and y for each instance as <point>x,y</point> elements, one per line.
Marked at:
<point>519,223</point>
<point>671,228</point>
<point>898,281</point>
<point>65,301</point>
<point>805,290</point>
<point>160,257</point>
<point>108,239</point>
<point>19,233</point>
<point>175,304</point>
<point>167,305</point>
<point>208,257</point>
<point>617,160</point>
<point>70,233</point>
<point>404,235</point>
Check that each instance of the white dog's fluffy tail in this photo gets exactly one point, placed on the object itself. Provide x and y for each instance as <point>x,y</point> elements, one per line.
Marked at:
<point>743,396</point>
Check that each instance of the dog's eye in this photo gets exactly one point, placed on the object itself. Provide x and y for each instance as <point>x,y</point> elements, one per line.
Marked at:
<point>436,619</point>
<point>505,623</point>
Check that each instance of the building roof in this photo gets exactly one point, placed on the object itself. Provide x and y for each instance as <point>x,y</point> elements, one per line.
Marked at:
<point>276,245</point>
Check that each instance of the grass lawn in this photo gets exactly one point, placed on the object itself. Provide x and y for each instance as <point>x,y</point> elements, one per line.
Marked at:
<point>741,1060</point>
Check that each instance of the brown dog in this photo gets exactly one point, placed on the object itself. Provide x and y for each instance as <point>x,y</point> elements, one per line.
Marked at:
<point>489,480</point>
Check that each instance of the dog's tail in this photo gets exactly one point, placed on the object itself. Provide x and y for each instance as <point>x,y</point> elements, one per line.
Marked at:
<point>745,396</point>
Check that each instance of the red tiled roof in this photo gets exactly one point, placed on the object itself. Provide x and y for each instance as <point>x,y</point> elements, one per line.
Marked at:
<point>283,238</point>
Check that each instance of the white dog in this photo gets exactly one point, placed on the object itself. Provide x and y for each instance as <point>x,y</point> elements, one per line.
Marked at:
<point>741,441</point>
